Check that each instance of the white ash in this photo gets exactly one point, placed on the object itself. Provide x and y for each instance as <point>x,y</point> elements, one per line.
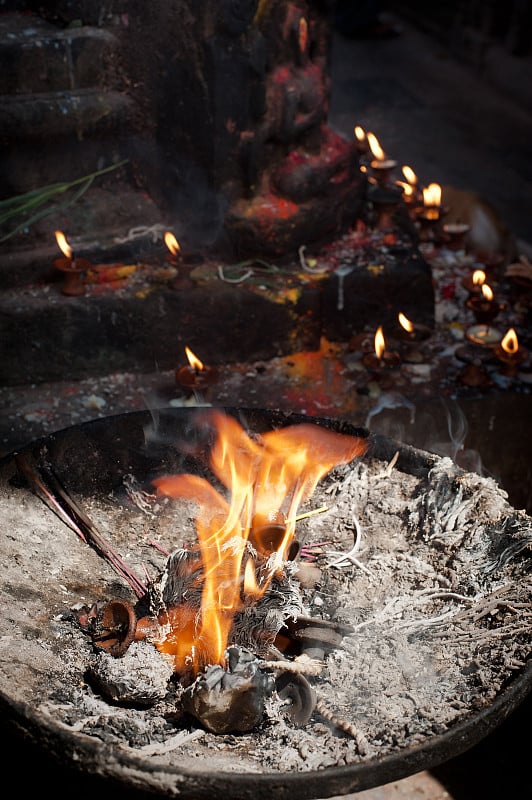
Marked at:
<point>440,614</point>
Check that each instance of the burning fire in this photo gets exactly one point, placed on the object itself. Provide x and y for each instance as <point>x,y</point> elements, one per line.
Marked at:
<point>510,342</point>
<point>407,188</point>
<point>194,361</point>
<point>360,134</point>
<point>487,292</point>
<point>405,322</point>
<point>375,147</point>
<point>303,34</point>
<point>432,200</point>
<point>63,244</point>
<point>244,540</point>
<point>410,175</point>
<point>380,342</point>
<point>478,277</point>
<point>172,243</point>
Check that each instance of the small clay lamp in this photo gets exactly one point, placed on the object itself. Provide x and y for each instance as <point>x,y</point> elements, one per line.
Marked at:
<point>180,261</point>
<point>454,235</point>
<point>381,166</point>
<point>412,332</point>
<point>475,359</point>
<point>473,283</point>
<point>385,200</point>
<point>72,268</point>
<point>429,215</point>
<point>485,335</point>
<point>196,377</point>
<point>484,306</point>
<point>510,353</point>
<point>381,359</point>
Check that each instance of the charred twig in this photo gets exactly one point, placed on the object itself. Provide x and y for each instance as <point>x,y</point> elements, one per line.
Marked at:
<point>49,488</point>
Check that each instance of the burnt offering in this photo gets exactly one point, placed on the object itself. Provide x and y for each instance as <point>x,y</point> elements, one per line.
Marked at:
<point>340,625</point>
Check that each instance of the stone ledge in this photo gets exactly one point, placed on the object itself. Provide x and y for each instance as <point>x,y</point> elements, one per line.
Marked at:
<point>144,327</point>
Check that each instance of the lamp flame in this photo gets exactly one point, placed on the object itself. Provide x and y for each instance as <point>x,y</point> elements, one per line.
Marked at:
<point>375,147</point>
<point>487,292</point>
<point>405,322</point>
<point>380,342</point>
<point>410,175</point>
<point>432,194</point>
<point>407,188</point>
<point>276,471</point>
<point>172,243</point>
<point>194,361</point>
<point>63,244</point>
<point>478,278</point>
<point>303,34</point>
<point>510,342</point>
<point>360,133</point>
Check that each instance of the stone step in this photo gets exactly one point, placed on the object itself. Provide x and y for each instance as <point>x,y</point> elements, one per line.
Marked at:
<point>51,115</point>
<point>144,325</point>
<point>36,56</point>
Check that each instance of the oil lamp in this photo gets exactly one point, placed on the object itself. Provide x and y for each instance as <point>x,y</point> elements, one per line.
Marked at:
<point>430,213</point>
<point>195,377</point>
<point>71,267</point>
<point>385,200</point>
<point>454,235</point>
<point>381,166</point>
<point>174,256</point>
<point>381,359</point>
<point>484,306</point>
<point>179,261</point>
<point>510,353</point>
<point>412,331</point>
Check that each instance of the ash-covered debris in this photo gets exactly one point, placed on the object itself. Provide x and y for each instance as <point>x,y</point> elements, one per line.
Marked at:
<point>433,629</point>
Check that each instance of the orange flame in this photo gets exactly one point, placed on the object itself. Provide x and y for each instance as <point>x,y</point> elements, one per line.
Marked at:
<point>405,322</point>
<point>303,34</point>
<point>407,188</point>
<point>172,243</point>
<point>266,477</point>
<point>194,361</point>
<point>360,133</point>
<point>510,342</point>
<point>432,194</point>
<point>380,342</point>
<point>375,147</point>
<point>63,244</point>
<point>410,175</point>
<point>487,292</point>
<point>478,278</point>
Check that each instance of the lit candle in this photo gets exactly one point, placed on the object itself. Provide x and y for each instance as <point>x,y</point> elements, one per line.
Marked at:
<point>173,246</point>
<point>382,358</point>
<point>473,283</point>
<point>412,331</point>
<point>361,140</point>
<point>432,208</point>
<point>381,166</point>
<point>195,377</point>
<point>412,194</point>
<point>510,353</point>
<point>71,267</point>
<point>484,306</point>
